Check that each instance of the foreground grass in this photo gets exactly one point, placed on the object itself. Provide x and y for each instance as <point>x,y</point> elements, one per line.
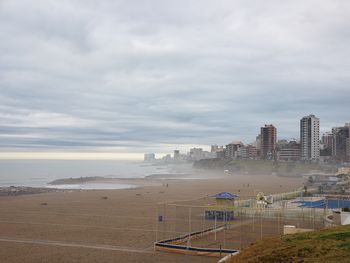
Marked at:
<point>329,245</point>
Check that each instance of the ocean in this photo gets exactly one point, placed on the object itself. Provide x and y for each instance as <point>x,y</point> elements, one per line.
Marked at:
<point>38,173</point>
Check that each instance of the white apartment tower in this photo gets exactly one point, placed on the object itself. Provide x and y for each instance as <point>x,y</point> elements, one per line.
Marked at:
<point>310,137</point>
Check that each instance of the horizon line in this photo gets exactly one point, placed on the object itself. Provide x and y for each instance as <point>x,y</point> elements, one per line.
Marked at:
<point>72,156</point>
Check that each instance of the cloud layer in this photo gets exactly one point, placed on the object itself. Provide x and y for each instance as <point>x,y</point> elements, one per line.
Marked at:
<point>134,76</point>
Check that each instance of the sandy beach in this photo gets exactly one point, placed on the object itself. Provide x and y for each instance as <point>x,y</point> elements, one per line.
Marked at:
<point>109,225</point>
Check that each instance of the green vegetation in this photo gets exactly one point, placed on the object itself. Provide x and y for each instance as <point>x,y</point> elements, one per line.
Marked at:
<point>259,166</point>
<point>328,245</point>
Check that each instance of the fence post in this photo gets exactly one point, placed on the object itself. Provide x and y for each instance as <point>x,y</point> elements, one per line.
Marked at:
<point>215,225</point>
<point>261,231</point>
<point>189,225</point>
<point>157,214</point>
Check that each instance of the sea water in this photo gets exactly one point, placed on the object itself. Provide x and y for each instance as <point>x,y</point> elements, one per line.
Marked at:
<point>38,173</point>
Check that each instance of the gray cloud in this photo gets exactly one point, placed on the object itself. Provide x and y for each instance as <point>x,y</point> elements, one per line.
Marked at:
<point>145,75</point>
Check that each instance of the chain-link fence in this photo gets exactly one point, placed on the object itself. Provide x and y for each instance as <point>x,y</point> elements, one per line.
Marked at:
<point>232,225</point>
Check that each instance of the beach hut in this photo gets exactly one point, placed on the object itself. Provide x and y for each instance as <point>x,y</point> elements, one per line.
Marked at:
<point>223,209</point>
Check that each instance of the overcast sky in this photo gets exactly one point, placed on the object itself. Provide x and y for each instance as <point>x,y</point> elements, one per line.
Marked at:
<point>151,76</point>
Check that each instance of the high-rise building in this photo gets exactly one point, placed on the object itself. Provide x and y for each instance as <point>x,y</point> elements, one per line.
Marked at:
<point>326,146</point>
<point>310,137</point>
<point>196,154</point>
<point>231,149</point>
<point>327,140</point>
<point>242,153</point>
<point>219,151</point>
<point>341,143</point>
<point>252,152</point>
<point>149,157</point>
<point>176,155</point>
<point>268,136</point>
<point>247,152</point>
<point>214,148</point>
<point>257,144</point>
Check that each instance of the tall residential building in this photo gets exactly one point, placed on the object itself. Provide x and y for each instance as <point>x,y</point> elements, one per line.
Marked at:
<point>176,155</point>
<point>341,143</point>
<point>232,148</point>
<point>214,148</point>
<point>310,137</point>
<point>247,152</point>
<point>149,157</point>
<point>252,152</point>
<point>219,151</point>
<point>268,137</point>
<point>326,146</point>
<point>196,154</point>
<point>258,142</point>
<point>327,140</point>
<point>242,152</point>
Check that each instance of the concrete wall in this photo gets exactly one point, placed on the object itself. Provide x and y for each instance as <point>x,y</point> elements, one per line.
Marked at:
<point>345,218</point>
<point>288,229</point>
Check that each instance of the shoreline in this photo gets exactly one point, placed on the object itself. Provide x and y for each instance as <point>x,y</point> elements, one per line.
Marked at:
<point>25,190</point>
<point>100,183</point>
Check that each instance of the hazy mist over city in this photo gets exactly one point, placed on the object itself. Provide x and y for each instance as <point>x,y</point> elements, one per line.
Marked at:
<point>151,76</point>
<point>174,131</point>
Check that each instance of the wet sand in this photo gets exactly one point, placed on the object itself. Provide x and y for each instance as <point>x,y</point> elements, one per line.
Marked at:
<point>109,225</point>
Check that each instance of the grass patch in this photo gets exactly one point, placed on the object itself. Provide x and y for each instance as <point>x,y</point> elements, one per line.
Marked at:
<point>343,236</point>
<point>328,245</point>
<point>345,246</point>
<point>298,238</point>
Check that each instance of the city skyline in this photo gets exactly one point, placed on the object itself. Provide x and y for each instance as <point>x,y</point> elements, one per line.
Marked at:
<point>120,79</point>
<point>184,149</point>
